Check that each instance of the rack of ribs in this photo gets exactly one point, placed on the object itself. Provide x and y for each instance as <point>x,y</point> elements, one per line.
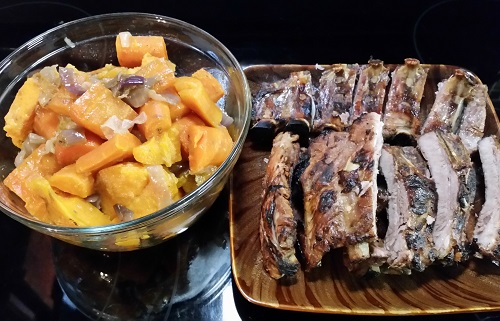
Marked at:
<point>278,225</point>
<point>402,110</point>
<point>340,189</point>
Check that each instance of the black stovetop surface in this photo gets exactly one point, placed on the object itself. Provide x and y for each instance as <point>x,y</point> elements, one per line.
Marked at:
<point>41,279</point>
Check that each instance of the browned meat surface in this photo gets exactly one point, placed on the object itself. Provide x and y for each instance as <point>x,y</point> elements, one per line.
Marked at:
<point>448,106</point>
<point>278,226</point>
<point>370,90</point>
<point>335,95</point>
<point>340,190</point>
<point>402,110</point>
<point>450,167</point>
<point>411,211</point>
<point>362,199</point>
<point>487,231</point>
<point>323,215</point>
<point>285,100</point>
<point>474,117</point>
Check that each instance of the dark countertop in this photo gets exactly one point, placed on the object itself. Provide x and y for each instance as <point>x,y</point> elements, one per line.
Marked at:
<point>188,277</point>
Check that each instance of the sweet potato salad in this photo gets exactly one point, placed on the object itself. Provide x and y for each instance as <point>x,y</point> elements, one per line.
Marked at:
<point>117,143</point>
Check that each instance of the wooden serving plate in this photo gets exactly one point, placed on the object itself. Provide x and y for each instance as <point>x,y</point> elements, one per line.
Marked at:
<point>472,287</point>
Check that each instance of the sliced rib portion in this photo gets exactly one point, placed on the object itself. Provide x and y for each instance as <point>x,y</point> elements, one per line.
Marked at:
<point>370,90</point>
<point>411,211</point>
<point>278,226</point>
<point>450,166</point>
<point>447,109</point>
<point>473,120</point>
<point>487,231</point>
<point>323,215</point>
<point>335,95</point>
<point>340,190</point>
<point>281,102</point>
<point>402,110</point>
<point>361,194</point>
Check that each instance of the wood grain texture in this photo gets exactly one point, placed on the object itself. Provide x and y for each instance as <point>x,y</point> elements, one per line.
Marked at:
<point>472,287</point>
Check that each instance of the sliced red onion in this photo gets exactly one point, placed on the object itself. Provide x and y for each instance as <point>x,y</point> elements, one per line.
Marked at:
<point>29,145</point>
<point>226,120</point>
<point>155,96</point>
<point>115,125</point>
<point>50,75</point>
<point>70,137</point>
<point>132,80</point>
<point>171,98</point>
<point>137,96</point>
<point>124,214</point>
<point>69,81</point>
<point>160,185</point>
<point>125,38</point>
<point>95,200</point>
<point>150,82</point>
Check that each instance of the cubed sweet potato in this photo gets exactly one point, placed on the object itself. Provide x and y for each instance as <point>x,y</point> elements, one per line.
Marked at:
<point>211,84</point>
<point>19,119</point>
<point>194,95</point>
<point>96,106</point>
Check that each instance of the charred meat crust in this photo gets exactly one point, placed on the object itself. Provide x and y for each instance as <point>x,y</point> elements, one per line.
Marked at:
<point>286,103</point>
<point>278,226</point>
<point>448,106</point>
<point>334,97</point>
<point>450,166</point>
<point>402,110</point>
<point>339,185</point>
<point>370,89</point>
<point>411,210</point>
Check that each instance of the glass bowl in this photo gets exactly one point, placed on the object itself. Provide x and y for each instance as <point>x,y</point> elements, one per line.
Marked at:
<point>89,44</point>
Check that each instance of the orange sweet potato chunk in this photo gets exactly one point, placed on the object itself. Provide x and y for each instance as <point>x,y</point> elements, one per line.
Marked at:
<point>211,84</point>
<point>194,95</point>
<point>19,119</point>
<point>208,146</point>
<point>158,118</point>
<point>66,155</point>
<point>113,151</point>
<point>61,101</point>
<point>182,125</point>
<point>131,53</point>
<point>46,122</point>
<point>96,106</point>
<point>37,164</point>
<point>160,70</point>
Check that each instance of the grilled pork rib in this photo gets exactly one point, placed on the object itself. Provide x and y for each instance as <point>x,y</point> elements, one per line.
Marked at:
<point>278,226</point>
<point>451,168</point>
<point>473,120</point>
<point>487,231</point>
<point>340,190</point>
<point>362,200</point>
<point>411,210</point>
<point>447,109</point>
<point>335,95</point>
<point>284,101</point>
<point>402,110</point>
<point>370,90</point>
